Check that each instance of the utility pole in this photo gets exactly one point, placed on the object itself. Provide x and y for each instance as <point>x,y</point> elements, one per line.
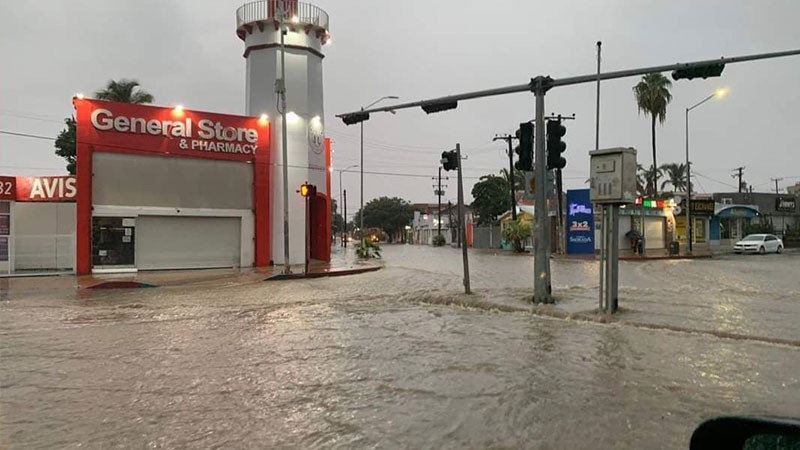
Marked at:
<point>777,191</point>
<point>450,224</point>
<point>439,193</point>
<point>508,138</point>
<point>740,171</point>
<point>344,235</point>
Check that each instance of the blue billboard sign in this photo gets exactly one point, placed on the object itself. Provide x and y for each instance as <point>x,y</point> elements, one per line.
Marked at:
<point>580,222</point>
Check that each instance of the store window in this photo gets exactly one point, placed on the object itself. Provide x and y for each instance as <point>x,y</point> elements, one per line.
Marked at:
<point>699,230</point>
<point>113,240</point>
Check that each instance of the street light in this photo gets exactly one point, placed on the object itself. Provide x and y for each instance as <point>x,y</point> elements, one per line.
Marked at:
<point>719,93</point>
<point>344,230</point>
<point>387,97</point>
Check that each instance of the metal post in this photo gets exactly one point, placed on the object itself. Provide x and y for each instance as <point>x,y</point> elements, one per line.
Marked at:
<point>361,225</point>
<point>541,262</point>
<point>561,234</point>
<point>284,150</point>
<point>602,256</point>
<point>597,107</point>
<point>613,298</point>
<point>307,237</point>
<point>439,195</point>
<point>344,236</point>
<point>340,199</point>
<point>611,254</point>
<point>461,225</point>
<point>688,189</point>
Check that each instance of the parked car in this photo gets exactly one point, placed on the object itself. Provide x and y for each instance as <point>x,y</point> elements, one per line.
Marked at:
<point>759,243</point>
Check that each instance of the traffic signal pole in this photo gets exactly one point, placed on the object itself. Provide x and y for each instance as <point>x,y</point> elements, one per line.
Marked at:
<point>542,291</point>
<point>539,86</point>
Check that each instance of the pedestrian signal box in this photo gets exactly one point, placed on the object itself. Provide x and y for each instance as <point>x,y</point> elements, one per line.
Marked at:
<point>613,175</point>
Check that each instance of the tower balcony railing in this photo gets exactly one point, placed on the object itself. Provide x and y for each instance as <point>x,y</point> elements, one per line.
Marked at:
<point>269,11</point>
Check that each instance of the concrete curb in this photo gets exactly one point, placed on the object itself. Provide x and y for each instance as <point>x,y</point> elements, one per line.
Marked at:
<point>327,273</point>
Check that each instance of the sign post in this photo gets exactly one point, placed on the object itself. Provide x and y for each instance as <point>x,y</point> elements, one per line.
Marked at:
<point>613,183</point>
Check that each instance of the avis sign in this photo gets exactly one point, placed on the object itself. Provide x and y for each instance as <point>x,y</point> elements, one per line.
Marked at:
<point>38,189</point>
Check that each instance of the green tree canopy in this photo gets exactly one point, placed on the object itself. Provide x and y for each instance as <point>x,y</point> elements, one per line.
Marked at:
<point>125,91</point>
<point>652,97</point>
<point>490,198</point>
<point>337,221</point>
<point>390,214</point>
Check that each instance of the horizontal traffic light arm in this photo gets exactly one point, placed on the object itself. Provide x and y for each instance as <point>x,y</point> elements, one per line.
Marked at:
<point>548,82</point>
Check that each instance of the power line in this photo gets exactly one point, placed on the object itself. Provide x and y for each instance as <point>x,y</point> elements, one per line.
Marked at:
<point>34,136</point>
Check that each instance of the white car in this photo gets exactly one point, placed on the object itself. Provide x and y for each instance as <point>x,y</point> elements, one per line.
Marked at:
<point>759,243</point>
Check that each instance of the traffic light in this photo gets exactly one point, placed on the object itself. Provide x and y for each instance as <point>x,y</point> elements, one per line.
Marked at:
<point>703,72</point>
<point>350,119</point>
<point>525,148</point>
<point>308,190</point>
<point>431,108</point>
<point>449,160</point>
<point>555,146</point>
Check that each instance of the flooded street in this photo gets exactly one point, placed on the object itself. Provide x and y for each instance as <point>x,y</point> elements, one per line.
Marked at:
<point>398,358</point>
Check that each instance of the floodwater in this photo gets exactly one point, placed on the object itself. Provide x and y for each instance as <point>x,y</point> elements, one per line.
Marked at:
<point>399,359</point>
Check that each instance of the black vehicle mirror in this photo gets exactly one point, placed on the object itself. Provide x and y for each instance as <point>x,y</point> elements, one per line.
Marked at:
<point>747,433</point>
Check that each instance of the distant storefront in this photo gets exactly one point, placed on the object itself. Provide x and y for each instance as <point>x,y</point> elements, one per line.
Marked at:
<point>735,211</point>
<point>37,224</point>
<point>702,210</point>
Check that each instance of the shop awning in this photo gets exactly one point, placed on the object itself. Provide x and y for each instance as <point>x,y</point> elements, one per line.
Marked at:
<point>747,211</point>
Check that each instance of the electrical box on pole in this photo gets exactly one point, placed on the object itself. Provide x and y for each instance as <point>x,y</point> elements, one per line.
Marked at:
<point>612,183</point>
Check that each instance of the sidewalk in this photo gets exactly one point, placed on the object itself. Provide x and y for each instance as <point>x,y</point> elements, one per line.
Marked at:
<point>342,263</point>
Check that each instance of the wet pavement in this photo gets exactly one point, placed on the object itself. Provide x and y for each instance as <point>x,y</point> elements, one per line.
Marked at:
<point>399,359</point>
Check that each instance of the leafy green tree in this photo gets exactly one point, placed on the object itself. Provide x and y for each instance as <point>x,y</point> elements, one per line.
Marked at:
<point>490,198</point>
<point>125,91</point>
<point>652,97</point>
<point>390,214</point>
<point>65,144</point>
<point>337,221</point>
<point>517,231</point>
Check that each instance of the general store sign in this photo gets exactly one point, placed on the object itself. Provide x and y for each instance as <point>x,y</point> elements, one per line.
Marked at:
<point>38,189</point>
<point>126,128</point>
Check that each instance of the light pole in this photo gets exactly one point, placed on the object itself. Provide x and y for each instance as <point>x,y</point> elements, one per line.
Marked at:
<point>344,229</point>
<point>280,89</point>
<point>719,93</point>
<point>386,97</point>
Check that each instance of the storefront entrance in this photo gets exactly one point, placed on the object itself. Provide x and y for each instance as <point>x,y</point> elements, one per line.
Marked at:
<point>113,242</point>
<point>170,242</point>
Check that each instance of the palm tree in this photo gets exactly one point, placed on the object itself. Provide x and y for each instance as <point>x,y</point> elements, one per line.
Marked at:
<point>652,97</point>
<point>519,178</point>
<point>675,175</point>
<point>645,180</point>
<point>125,91</point>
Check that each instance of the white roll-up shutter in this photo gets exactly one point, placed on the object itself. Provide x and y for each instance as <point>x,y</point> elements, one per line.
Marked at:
<point>169,242</point>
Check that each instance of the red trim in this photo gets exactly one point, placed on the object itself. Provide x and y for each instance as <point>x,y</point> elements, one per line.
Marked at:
<point>261,198</point>
<point>328,206</point>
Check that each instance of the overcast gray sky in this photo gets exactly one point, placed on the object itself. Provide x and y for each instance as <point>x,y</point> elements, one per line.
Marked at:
<point>187,52</point>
